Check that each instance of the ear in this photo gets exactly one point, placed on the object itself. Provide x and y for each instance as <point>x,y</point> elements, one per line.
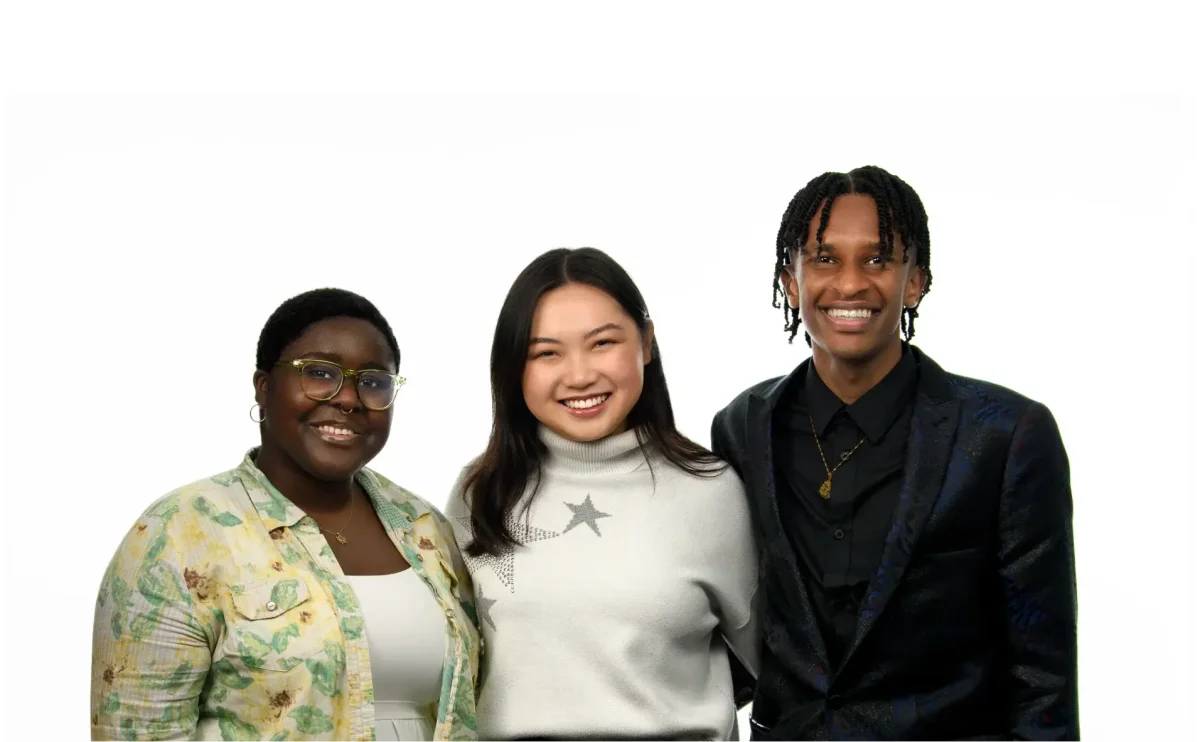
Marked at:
<point>791,282</point>
<point>260,387</point>
<point>914,287</point>
<point>648,343</point>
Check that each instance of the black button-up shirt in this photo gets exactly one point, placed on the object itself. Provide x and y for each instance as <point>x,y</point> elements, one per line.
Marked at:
<point>839,541</point>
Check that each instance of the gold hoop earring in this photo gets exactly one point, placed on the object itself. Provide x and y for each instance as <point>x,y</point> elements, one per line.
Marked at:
<point>262,413</point>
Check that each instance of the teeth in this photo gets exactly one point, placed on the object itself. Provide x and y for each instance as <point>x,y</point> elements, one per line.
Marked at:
<point>331,430</point>
<point>583,404</point>
<point>849,313</point>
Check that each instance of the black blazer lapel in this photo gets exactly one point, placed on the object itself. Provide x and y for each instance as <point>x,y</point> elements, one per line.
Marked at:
<point>781,558</point>
<point>930,442</point>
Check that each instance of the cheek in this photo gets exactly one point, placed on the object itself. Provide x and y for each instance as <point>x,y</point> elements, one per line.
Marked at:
<point>537,384</point>
<point>627,371</point>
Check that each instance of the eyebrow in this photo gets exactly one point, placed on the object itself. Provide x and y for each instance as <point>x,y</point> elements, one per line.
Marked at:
<point>830,247</point>
<point>320,355</point>
<point>590,333</point>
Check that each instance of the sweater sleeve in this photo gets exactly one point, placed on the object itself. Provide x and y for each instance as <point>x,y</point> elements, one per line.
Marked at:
<point>734,581</point>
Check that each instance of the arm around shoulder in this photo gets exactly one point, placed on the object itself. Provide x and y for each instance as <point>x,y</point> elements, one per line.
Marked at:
<point>1037,570</point>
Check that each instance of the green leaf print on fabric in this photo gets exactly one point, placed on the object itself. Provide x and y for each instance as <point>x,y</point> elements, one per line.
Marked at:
<point>352,627</point>
<point>406,508</point>
<point>253,649</point>
<point>234,728</point>
<point>323,674</point>
<point>128,731</point>
<point>143,625</point>
<point>280,737</point>
<point>279,641</point>
<point>227,675</point>
<point>228,519</point>
<point>122,597</point>
<point>112,703</point>
<point>172,682</point>
<point>204,507</point>
<point>288,663</point>
<point>285,594</point>
<point>344,596</point>
<point>275,506</point>
<point>156,548</point>
<point>158,584</point>
<point>311,720</point>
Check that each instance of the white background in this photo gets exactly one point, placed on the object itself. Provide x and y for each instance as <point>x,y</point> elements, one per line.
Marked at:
<point>164,190</point>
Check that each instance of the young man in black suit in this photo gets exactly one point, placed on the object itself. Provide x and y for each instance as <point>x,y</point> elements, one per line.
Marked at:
<point>917,564</point>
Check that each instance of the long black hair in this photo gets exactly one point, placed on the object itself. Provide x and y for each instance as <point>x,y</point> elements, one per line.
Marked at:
<point>496,481</point>
<point>900,211</point>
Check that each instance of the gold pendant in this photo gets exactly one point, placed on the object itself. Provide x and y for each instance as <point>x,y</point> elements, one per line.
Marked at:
<point>342,539</point>
<point>826,487</point>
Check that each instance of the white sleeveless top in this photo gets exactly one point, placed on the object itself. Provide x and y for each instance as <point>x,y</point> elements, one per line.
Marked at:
<point>406,638</point>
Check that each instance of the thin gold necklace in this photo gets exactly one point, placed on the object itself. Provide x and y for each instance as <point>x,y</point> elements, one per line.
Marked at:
<point>338,534</point>
<point>827,486</point>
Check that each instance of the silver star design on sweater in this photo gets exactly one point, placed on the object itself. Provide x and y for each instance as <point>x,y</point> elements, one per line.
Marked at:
<point>502,563</point>
<point>587,513</point>
<point>483,607</point>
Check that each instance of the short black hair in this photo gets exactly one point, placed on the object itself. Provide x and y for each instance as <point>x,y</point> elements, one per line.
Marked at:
<point>900,211</point>
<point>300,312</point>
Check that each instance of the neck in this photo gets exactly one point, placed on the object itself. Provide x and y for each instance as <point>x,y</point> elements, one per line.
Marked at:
<point>312,495</point>
<point>615,454</point>
<point>849,379</point>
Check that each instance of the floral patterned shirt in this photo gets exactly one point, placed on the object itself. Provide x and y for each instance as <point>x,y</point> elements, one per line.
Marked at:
<point>224,615</point>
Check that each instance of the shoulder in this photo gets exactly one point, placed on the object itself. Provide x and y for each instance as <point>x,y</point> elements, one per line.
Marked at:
<point>991,402</point>
<point>405,500</point>
<point>994,403</point>
<point>183,522</point>
<point>738,406</point>
<point>718,490</point>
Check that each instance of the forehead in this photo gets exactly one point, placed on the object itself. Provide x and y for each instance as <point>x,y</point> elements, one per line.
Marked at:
<point>575,309</point>
<point>853,220</point>
<point>353,341</point>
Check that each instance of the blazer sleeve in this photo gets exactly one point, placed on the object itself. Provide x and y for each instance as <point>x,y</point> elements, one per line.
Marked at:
<point>150,648</point>
<point>1037,569</point>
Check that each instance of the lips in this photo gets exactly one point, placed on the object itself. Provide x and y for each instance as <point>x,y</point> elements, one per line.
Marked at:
<point>586,403</point>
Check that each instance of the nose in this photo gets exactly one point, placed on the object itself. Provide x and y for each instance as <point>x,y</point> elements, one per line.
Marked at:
<point>851,280</point>
<point>578,372</point>
<point>347,396</point>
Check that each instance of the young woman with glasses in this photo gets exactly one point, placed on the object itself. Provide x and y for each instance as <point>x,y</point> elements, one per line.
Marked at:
<point>299,595</point>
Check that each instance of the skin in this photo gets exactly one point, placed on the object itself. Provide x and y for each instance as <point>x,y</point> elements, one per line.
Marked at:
<point>847,271</point>
<point>318,475</point>
<point>584,345</point>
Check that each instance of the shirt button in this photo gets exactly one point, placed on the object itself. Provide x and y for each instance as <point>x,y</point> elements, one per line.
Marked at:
<point>271,606</point>
<point>839,533</point>
<point>449,613</point>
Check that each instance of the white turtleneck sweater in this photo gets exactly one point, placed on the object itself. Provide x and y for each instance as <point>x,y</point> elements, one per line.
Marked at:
<point>611,620</point>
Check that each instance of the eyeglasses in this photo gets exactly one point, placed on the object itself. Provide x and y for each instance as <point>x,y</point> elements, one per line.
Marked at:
<point>322,380</point>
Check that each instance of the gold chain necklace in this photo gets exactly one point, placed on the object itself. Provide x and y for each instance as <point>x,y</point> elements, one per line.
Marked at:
<point>338,534</point>
<point>827,486</point>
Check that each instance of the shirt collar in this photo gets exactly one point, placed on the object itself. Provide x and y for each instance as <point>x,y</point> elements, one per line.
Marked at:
<point>274,509</point>
<point>876,410</point>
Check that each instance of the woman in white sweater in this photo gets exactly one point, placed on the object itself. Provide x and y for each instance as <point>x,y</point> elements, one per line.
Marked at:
<point>613,559</point>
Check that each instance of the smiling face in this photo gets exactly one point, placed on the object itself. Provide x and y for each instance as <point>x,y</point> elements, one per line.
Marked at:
<point>850,297</point>
<point>585,365</point>
<point>328,440</point>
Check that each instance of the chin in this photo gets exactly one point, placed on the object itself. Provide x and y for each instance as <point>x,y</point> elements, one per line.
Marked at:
<point>854,348</point>
<point>585,432</point>
<point>333,468</point>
